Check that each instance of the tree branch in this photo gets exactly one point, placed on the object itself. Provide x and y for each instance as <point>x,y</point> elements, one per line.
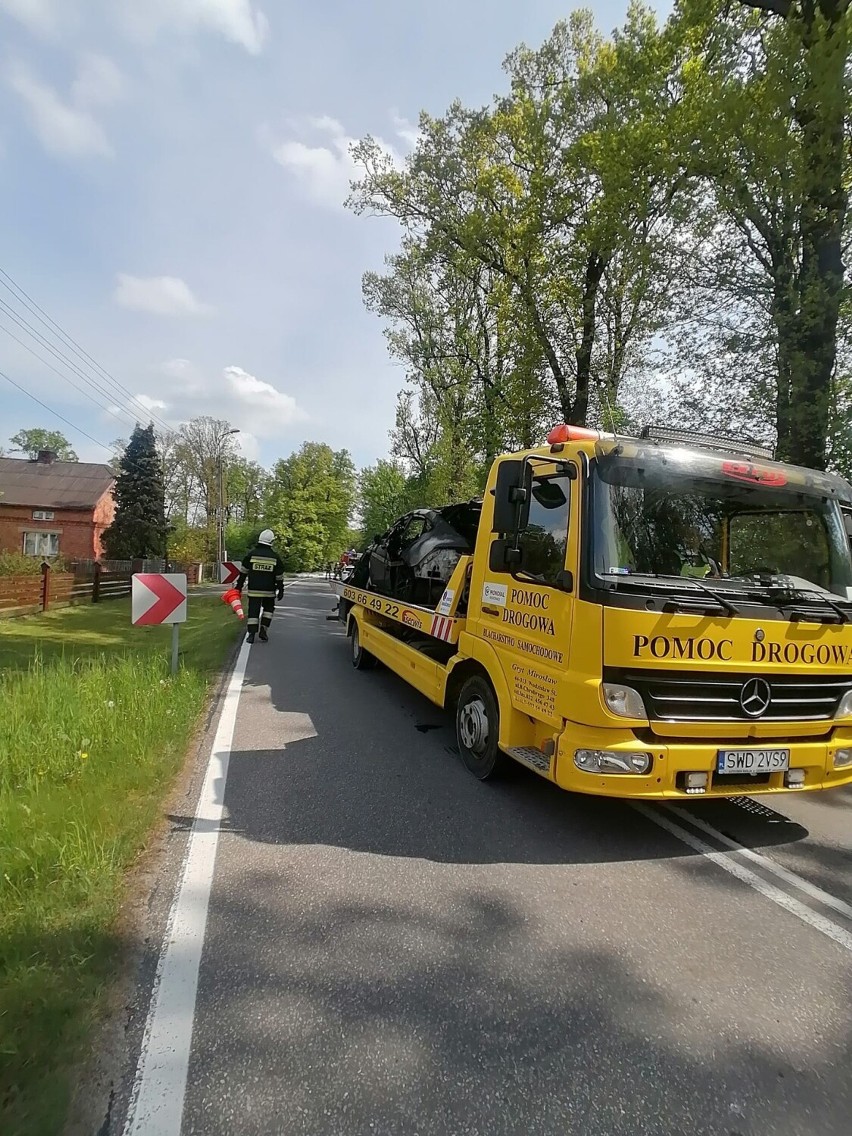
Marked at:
<point>773,7</point>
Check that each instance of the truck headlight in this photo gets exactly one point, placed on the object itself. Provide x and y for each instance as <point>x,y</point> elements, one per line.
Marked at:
<point>623,700</point>
<point>842,758</point>
<point>611,761</point>
<point>844,710</point>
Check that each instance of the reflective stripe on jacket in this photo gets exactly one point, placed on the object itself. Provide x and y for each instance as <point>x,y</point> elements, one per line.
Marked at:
<point>263,569</point>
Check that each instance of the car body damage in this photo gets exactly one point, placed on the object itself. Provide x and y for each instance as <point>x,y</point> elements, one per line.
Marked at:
<point>415,558</point>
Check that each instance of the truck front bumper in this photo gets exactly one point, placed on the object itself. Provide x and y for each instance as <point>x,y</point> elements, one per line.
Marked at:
<point>671,762</point>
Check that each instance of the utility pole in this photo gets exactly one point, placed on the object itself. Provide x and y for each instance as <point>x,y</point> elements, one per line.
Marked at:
<point>220,484</point>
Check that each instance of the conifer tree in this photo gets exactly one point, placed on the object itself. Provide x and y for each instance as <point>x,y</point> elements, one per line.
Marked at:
<point>138,530</point>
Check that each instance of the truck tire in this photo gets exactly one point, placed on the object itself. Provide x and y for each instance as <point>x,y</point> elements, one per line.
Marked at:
<point>477,730</point>
<point>361,660</point>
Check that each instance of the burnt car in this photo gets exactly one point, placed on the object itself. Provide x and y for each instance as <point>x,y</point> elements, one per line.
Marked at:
<point>415,558</point>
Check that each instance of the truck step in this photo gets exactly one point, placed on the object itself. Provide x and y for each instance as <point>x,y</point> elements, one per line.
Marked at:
<point>532,757</point>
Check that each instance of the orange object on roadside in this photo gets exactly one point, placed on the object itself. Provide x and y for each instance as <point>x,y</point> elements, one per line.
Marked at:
<point>233,599</point>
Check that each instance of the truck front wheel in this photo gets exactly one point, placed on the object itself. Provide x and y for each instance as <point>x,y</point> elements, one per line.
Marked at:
<point>477,729</point>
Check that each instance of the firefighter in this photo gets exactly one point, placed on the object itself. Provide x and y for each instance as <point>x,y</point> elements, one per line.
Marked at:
<point>264,571</point>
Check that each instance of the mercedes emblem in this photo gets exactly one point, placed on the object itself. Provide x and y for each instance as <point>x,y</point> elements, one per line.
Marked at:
<point>755,697</point>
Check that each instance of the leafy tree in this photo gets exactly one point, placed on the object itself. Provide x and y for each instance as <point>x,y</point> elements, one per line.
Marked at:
<point>139,527</point>
<point>29,442</point>
<point>246,484</point>
<point>311,498</point>
<point>563,190</point>
<point>240,538</point>
<point>384,494</point>
<point>188,544</point>
<point>762,111</point>
<point>197,449</point>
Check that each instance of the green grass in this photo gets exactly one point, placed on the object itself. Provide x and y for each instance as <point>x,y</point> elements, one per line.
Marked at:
<point>93,730</point>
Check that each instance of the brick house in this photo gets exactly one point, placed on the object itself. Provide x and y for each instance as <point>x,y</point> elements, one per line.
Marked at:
<point>54,508</point>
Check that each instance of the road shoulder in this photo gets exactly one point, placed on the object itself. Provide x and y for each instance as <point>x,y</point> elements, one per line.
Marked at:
<point>106,1079</point>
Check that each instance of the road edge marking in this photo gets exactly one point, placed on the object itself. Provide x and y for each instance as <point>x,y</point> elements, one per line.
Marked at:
<point>159,1088</point>
<point>769,891</point>
<point>768,864</point>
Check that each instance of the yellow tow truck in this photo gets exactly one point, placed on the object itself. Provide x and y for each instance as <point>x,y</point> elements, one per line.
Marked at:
<point>666,616</point>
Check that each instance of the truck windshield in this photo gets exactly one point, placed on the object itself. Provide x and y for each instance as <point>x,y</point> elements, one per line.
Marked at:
<point>736,526</point>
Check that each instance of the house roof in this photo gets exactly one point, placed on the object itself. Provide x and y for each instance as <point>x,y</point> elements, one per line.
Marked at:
<point>58,485</point>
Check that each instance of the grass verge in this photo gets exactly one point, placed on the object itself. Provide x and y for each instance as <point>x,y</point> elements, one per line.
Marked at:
<point>93,730</point>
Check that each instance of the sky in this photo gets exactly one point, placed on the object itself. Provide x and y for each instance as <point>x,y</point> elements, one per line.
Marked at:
<point>172,178</point>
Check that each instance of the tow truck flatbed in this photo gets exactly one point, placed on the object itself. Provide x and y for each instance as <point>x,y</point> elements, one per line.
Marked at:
<point>441,622</point>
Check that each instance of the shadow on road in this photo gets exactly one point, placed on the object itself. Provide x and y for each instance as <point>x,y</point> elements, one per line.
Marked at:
<point>376,771</point>
<point>453,1013</point>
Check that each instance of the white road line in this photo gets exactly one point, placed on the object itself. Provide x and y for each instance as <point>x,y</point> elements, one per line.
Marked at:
<point>156,1105</point>
<point>769,865</point>
<point>725,861</point>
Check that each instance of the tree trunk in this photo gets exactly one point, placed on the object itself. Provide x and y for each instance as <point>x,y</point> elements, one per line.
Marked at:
<point>595,266</point>
<point>806,317</point>
<point>821,114</point>
<point>785,321</point>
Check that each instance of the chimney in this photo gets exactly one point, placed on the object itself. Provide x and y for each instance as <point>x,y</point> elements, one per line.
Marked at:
<point>46,457</point>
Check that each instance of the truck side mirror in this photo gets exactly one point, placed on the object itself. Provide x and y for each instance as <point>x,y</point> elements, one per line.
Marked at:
<point>511,497</point>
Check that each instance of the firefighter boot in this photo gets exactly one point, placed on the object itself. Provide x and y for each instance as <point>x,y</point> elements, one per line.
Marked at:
<point>264,635</point>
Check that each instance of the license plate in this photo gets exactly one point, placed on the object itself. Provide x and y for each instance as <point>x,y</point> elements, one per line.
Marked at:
<point>752,760</point>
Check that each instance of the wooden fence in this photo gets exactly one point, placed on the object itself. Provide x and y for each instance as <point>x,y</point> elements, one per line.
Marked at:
<point>91,582</point>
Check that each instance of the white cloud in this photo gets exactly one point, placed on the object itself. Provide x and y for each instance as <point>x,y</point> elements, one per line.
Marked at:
<point>63,128</point>
<point>99,82</point>
<point>151,403</point>
<point>326,123</point>
<point>261,398</point>
<point>38,16</point>
<point>407,131</point>
<point>180,369</point>
<point>326,170</point>
<point>248,445</point>
<point>237,21</point>
<point>159,295</point>
<point>257,408</point>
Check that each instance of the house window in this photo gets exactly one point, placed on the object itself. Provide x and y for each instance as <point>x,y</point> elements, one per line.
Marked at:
<point>41,544</point>
<point>42,514</point>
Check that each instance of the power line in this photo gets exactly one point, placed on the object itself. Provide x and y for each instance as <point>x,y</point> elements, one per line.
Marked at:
<point>85,394</point>
<point>41,315</point>
<point>30,304</point>
<point>55,413</point>
<point>26,327</point>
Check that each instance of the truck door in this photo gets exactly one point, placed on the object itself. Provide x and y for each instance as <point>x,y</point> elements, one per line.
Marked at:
<point>526,614</point>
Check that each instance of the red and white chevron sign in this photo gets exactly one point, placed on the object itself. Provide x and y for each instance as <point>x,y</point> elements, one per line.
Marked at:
<point>157,597</point>
<point>442,627</point>
<point>228,572</point>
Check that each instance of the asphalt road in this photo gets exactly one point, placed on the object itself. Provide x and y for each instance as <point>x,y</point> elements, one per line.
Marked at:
<point>395,948</point>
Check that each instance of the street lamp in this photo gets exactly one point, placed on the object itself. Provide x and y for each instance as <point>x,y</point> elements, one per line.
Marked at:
<point>220,512</point>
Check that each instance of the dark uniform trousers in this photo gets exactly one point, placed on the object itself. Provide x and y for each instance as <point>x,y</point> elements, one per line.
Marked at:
<point>260,611</point>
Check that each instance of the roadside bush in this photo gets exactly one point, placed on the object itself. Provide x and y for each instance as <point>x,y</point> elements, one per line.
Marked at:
<point>16,564</point>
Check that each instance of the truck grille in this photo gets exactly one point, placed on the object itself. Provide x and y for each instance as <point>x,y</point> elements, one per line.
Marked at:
<point>673,696</point>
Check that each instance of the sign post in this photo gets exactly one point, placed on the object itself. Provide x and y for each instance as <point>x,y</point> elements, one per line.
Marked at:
<point>159,597</point>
